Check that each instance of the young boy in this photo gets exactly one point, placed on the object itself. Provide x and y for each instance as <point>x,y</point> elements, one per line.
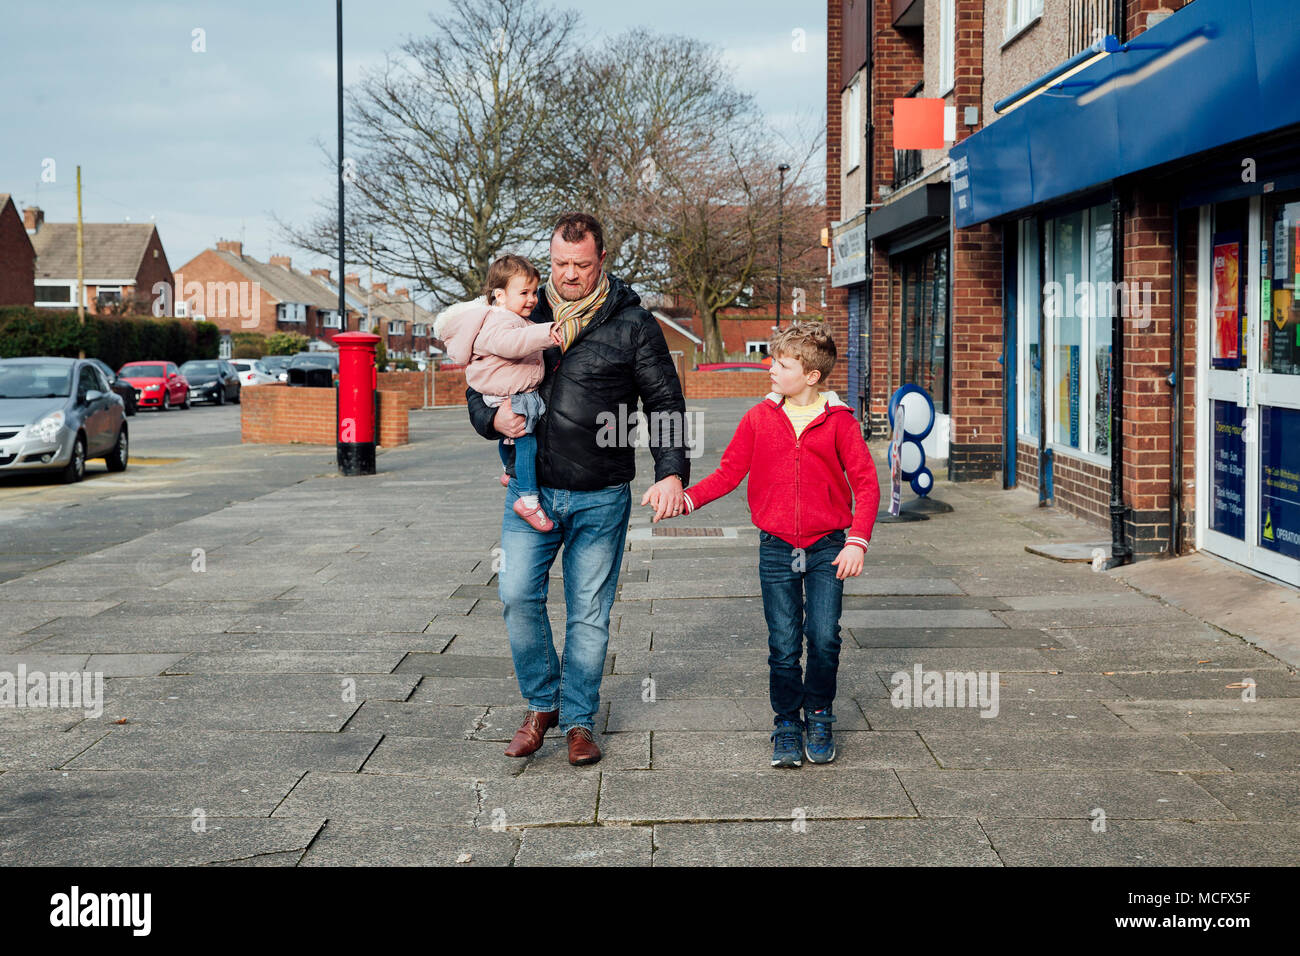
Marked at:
<point>802,450</point>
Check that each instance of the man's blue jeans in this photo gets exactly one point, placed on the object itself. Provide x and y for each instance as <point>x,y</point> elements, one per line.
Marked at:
<point>592,527</point>
<point>801,595</point>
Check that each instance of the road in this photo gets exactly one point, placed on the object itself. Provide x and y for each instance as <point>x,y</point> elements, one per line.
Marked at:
<point>183,463</point>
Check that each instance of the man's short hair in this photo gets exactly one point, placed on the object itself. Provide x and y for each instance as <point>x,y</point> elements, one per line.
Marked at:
<point>810,344</point>
<point>576,226</point>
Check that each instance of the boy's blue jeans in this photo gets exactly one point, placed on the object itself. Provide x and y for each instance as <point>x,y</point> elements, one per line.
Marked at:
<point>801,596</point>
<point>525,462</point>
<point>592,527</point>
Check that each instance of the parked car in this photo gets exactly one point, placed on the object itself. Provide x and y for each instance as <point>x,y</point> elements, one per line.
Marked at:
<point>116,384</point>
<point>329,360</point>
<point>212,380</point>
<point>733,367</point>
<point>276,364</point>
<point>253,372</point>
<point>157,384</point>
<point>57,412</point>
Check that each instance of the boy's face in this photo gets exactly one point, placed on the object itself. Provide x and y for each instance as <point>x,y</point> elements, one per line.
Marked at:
<point>519,295</point>
<point>788,375</point>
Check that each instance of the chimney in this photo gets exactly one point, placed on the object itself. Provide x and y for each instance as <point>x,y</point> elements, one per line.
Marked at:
<point>352,278</point>
<point>231,245</point>
<point>380,287</point>
<point>402,293</point>
<point>33,219</point>
<point>321,274</point>
<point>280,261</point>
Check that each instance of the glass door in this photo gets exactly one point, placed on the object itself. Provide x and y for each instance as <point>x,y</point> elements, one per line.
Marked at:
<point>1250,447</point>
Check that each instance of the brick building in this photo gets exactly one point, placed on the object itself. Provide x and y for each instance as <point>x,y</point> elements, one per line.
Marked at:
<point>240,294</point>
<point>17,257</point>
<point>1122,189</point>
<point>122,262</point>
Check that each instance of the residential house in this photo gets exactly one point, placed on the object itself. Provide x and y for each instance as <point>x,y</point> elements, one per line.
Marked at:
<point>122,262</point>
<point>17,257</point>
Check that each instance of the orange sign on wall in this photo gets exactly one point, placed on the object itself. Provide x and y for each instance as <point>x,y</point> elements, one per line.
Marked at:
<point>918,123</point>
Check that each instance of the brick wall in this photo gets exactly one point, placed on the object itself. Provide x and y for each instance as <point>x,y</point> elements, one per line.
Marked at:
<point>449,387</point>
<point>1188,226</point>
<point>1082,488</point>
<point>154,269</point>
<point>17,259</point>
<point>411,385</point>
<point>737,384</point>
<point>208,268</point>
<point>1137,11</point>
<point>279,414</point>
<point>975,348</point>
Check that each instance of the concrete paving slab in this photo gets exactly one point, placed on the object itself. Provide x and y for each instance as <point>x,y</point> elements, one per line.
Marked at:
<point>1252,752</point>
<point>120,841</point>
<point>1121,794</point>
<point>143,793</point>
<point>1207,716</point>
<point>586,846</point>
<point>417,720</point>
<point>922,619</point>
<point>868,637</point>
<point>375,798</point>
<point>288,662</point>
<point>855,750</point>
<point>139,748</point>
<point>325,688</point>
<point>1019,750</point>
<point>456,665</point>
<point>1262,796</point>
<point>234,714</point>
<point>1211,685</point>
<point>635,796</point>
<point>1023,842</point>
<point>1041,717</point>
<point>354,843</point>
<point>824,843</point>
<point>46,749</point>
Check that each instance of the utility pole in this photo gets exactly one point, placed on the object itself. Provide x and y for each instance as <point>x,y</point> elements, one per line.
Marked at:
<point>339,18</point>
<point>81,269</point>
<point>780,224</point>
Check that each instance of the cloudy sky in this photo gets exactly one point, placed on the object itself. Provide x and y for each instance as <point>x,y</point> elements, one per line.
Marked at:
<point>214,144</point>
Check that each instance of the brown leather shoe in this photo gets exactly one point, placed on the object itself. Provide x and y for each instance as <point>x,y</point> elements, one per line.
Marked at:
<point>582,746</point>
<point>530,733</point>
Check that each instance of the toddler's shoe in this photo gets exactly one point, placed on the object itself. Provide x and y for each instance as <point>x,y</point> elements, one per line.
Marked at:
<point>787,743</point>
<point>534,516</point>
<point>505,480</point>
<point>820,747</point>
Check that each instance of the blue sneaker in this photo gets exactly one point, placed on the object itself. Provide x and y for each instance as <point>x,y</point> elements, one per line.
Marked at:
<point>820,747</point>
<point>787,740</point>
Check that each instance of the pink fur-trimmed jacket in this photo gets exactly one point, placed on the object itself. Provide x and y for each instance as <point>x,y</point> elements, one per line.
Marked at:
<point>501,351</point>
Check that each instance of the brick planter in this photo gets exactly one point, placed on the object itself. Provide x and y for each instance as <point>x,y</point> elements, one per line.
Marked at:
<point>280,415</point>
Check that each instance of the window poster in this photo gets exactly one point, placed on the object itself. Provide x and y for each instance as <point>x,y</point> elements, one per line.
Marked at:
<point>1279,480</point>
<point>1228,311</point>
<point>1228,508</point>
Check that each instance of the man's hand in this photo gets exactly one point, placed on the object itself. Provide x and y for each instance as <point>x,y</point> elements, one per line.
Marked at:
<point>849,561</point>
<point>665,497</point>
<point>508,423</point>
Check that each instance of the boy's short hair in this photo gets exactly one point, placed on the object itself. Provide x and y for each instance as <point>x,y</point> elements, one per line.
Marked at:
<point>809,343</point>
<point>506,268</point>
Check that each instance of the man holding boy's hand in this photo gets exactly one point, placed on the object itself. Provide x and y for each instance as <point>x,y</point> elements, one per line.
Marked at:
<point>810,475</point>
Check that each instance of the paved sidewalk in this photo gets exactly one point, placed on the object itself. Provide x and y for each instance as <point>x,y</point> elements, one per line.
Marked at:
<point>335,687</point>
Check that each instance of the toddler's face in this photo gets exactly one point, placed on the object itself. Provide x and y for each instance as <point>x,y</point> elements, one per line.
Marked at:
<point>519,295</point>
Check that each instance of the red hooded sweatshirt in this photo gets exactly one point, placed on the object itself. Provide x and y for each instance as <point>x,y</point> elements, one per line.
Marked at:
<point>799,488</point>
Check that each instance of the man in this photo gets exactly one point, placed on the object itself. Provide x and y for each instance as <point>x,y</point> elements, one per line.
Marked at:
<point>613,354</point>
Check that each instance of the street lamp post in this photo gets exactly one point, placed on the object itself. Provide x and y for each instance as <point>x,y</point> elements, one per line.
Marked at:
<point>780,224</point>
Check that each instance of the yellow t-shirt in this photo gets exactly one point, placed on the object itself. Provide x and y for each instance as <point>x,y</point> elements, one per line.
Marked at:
<point>801,415</point>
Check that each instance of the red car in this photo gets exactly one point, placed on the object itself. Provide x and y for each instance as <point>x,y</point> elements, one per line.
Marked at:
<point>157,384</point>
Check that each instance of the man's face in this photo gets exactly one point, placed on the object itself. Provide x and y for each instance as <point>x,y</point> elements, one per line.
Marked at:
<point>575,267</point>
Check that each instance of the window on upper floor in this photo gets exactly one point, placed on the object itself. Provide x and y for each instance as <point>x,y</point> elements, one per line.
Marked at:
<point>853,127</point>
<point>947,44</point>
<point>1021,13</point>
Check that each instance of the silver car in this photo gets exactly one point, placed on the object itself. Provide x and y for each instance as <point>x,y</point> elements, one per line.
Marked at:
<point>57,412</point>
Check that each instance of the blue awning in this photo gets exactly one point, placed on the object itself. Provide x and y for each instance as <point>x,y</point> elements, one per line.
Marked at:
<point>1215,72</point>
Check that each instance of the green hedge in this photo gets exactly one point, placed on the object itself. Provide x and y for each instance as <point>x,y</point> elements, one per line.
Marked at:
<point>115,340</point>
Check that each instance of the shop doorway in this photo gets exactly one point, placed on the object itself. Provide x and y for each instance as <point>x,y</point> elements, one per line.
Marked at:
<point>1248,343</point>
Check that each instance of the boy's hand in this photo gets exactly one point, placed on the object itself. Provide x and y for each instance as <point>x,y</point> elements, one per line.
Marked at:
<point>849,561</point>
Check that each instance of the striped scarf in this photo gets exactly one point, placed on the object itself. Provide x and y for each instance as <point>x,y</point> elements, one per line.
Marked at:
<point>572,316</point>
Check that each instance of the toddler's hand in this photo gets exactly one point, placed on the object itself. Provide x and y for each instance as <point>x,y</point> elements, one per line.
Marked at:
<point>556,336</point>
<point>849,561</point>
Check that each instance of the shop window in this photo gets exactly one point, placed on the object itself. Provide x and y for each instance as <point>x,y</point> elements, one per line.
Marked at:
<point>924,358</point>
<point>1028,301</point>
<point>1280,313</point>
<point>1077,303</point>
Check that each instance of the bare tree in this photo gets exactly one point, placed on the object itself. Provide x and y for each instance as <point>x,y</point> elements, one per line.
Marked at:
<point>445,138</point>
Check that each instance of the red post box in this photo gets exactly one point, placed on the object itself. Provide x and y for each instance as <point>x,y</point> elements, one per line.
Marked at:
<point>358,388</point>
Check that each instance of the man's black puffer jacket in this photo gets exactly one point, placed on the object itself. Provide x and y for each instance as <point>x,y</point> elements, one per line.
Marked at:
<point>618,357</point>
